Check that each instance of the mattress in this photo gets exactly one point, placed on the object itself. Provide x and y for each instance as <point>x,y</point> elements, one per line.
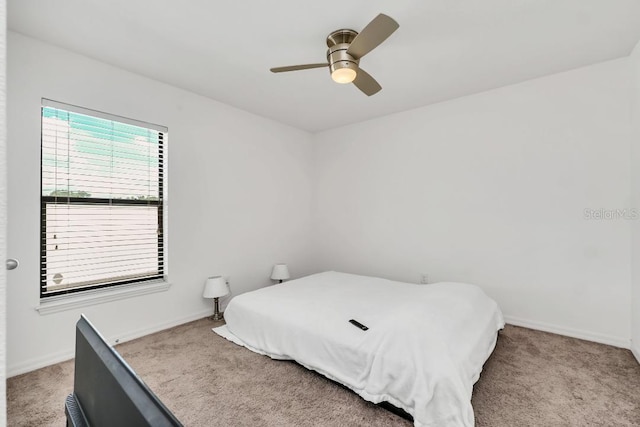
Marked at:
<point>423,350</point>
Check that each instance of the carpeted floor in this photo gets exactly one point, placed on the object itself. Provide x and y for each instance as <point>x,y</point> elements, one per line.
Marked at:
<point>532,379</point>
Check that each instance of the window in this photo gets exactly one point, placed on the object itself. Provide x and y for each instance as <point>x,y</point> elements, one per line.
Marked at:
<point>101,200</point>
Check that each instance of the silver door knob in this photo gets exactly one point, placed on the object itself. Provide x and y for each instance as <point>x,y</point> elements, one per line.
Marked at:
<point>12,264</point>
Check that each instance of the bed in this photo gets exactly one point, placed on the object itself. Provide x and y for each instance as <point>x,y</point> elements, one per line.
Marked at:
<point>422,352</point>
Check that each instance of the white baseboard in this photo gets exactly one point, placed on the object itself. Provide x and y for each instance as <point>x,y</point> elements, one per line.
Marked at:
<point>570,332</point>
<point>38,362</point>
<point>635,349</point>
<point>51,359</point>
<point>158,327</point>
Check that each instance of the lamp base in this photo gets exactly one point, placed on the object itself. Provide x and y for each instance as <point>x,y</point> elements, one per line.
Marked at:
<point>217,314</point>
<point>216,317</point>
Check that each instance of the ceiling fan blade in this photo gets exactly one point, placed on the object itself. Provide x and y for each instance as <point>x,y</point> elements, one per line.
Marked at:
<point>366,83</point>
<point>372,35</point>
<point>297,67</point>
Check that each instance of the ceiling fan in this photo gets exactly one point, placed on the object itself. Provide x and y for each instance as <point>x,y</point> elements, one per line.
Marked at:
<point>346,48</point>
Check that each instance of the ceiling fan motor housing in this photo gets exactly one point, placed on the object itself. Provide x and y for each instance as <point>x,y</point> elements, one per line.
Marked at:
<point>337,56</point>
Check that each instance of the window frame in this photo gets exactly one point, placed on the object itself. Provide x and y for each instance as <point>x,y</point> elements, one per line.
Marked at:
<point>92,201</point>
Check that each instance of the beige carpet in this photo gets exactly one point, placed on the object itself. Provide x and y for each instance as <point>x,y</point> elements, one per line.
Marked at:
<point>532,379</point>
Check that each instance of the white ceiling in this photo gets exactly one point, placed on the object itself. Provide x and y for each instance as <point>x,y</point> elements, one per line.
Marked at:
<point>443,49</point>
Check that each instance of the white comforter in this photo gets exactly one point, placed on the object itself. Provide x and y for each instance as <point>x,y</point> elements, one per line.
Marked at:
<point>423,352</point>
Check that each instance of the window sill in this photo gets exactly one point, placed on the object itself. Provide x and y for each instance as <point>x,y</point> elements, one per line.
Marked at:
<point>99,296</point>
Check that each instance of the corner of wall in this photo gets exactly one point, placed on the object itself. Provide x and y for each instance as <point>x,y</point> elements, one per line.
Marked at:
<point>3,213</point>
<point>635,202</point>
<point>635,349</point>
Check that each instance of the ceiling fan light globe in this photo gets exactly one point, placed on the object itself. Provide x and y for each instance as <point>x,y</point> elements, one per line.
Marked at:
<point>343,75</point>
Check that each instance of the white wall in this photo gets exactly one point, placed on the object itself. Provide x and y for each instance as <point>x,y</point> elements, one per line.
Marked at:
<point>239,197</point>
<point>635,197</point>
<point>491,189</point>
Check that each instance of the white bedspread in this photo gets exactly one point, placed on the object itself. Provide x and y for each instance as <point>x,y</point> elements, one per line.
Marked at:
<point>423,352</point>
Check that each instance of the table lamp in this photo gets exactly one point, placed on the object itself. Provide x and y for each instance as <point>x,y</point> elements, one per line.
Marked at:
<point>215,287</point>
<point>280,272</point>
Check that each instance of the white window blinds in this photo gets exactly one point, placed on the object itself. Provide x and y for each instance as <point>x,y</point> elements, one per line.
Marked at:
<point>101,200</point>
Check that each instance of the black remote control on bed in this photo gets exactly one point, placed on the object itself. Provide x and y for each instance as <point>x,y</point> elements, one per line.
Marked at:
<point>358,324</point>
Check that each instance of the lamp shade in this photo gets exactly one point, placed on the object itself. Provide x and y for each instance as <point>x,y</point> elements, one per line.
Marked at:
<point>280,272</point>
<point>215,287</point>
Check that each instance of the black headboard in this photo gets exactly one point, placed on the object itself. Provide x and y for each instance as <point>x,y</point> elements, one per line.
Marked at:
<point>106,391</point>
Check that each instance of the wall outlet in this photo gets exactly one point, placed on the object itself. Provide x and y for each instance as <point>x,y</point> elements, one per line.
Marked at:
<point>424,279</point>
